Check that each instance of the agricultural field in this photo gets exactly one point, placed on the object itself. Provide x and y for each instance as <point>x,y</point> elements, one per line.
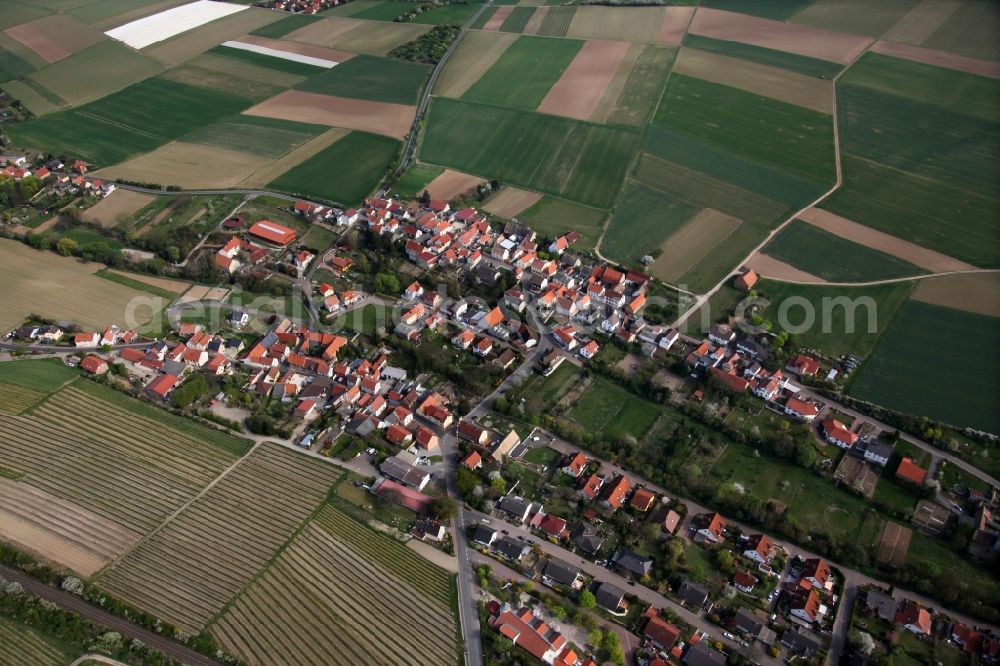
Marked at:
<point>628,24</point>
<point>832,334</point>
<point>607,409</point>
<point>187,45</point>
<point>265,61</point>
<point>54,37</point>
<point>642,221</point>
<point>372,78</point>
<point>105,15</point>
<point>553,217</point>
<point>970,31</point>
<point>769,9</point>
<point>557,21</point>
<point>685,249</point>
<point>517,20</point>
<point>393,120</point>
<point>448,15</point>
<point>238,77</point>
<point>834,258</point>
<point>321,176</point>
<point>578,161</point>
<point>357,35</point>
<point>815,67</point>
<point>584,83</point>
<point>854,16</point>
<point>475,55</point>
<point>262,137</point>
<point>141,117</point>
<point>415,179</point>
<point>288,24</point>
<point>339,579</point>
<point>20,645</point>
<point>65,289</point>
<point>239,524</point>
<point>922,366</point>
<point>525,72</point>
<point>86,490</point>
<point>16,59</point>
<point>971,292</point>
<point>634,92</point>
<point>509,202</point>
<point>118,207</point>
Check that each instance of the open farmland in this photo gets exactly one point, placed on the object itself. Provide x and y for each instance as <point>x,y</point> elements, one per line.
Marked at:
<point>630,24</point>
<point>223,74</point>
<point>21,645</point>
<point>553,217</point>
<point>510,201</point>
<point>792,62</point>
<point>239,524</point>
<point>583,84</point>
<point>456,14</point>
<point>340,579</point>
<point>163,25</point>
<point>140,118</point>
<point>970,31</point>
<point>372,78</point>
<point>450,184</point>
<point>518,19</point>
<point>116,207</point>
<point>264,137</point>
<point>633,93</point>
<point>251,56</point>
<point>854,16</point>
<point>922,366</point>
<point>16,59</point>
<point>523,75</point>
<point>107,15</point>
<point>579,161</point>
<point>834,258</point>
<point>393,120</point>
<point>643,219</point>
<point>837,326</point>
<point>771,9</point>
<point>55,37</point>
<point>322,175</point>
<point>16,399</point>
<point>686,247</point>
<point>357,36</point>
<point>65,289</point>
<point>556,21</point>
<point>414,180</point>
<point>978,292</point>
<point>475,55</point>
<point>185,46</point>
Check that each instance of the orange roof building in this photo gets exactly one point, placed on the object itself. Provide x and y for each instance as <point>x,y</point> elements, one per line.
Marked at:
<point>747,281</point>
<point>273,232</point>
<point>910,471</point>
<point>642,499</point>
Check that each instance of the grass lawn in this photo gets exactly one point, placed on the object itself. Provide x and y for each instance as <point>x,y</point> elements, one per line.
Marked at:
<point>896,496</point>
<point>543,455</point>
<point>952,476</point>
<point>832,330</point>
<point>372,78</point>
<point>525,72</point>
<point>413,181</point>
<point>609,409</point>
<point>324,176</point>
<point>45,375</point>
<point>541,393</point>
<point>784,136</point>
<point>141,118</point>
<point>530,481</point>
<point>835,258</point>
<point>790,61</point>
<point>319,238</point>
<point>934,215</point>
<point>364,320</point>
<point>567,158</point>
<point>642,221</point>
<point>922,366</point>
<point>553,217</point>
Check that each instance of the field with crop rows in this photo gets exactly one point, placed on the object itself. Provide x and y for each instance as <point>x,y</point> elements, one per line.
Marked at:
<point>323,175</point>
<point>642,89</point>
<point>44,376</point>
<point>922,366</point>
<point>557,21</point>
<point>264,137</point>
<point>20,645</point>
<point>90,450</point>
<point>525,72</point>
<point>833,257</point>
<point>575,160</point>
<point>781,59</point>
<point>238,525</point>
<point>15,399</point>
<point>371,599</point>
<point>140,118</point>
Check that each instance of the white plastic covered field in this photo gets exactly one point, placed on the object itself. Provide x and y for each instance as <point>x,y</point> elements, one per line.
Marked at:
<point>277,53</point>
<point>158,27</point>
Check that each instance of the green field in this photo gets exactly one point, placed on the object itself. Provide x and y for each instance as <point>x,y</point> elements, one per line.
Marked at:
<point>15,13</point>
<point>834,258</point>
<point>644,86</point>
<point>924,365</point>
<point>284,26</point>
<point>140,118</point>
<point>517,19</point>
<point>553,217</point>
<point>267,61</point>
<point>39,375</point>
<point>323,175</point>
<point>448,15</point>
<point>931,214</point>
<point>831,332</point>
<point>525,72</point>
<point>761,129</point>
<point>21,645</point>
<point>372,78</point>
<point>793,62</point>
<point>770,9</point>
<point>556,22</point>
<point>923,139</point>
<point>608,409</point>
<point>266,137</point>
<point>575,160</point>
<point>380,11</point>
<point>483,18</point>
<point>413,181</point>
<point>642,221</point>
<point>970,31</point>
<point>13,65</point>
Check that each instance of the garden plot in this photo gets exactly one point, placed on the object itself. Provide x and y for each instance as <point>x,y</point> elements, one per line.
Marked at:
<point>189,570</point>
<point>370,598</point>
<point>802,40</point>
<point>166,24</point>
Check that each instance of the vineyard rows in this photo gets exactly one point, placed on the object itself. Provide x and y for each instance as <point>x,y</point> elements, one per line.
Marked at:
<point>322,602</point>
<point>16,399</point>
<point>21,645</point>
<point>108,460</point>
<point>389,554</point>
<point>189,570</point>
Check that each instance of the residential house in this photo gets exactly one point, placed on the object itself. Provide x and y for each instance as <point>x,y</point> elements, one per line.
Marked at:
<point>662,633</point>
<point>753,626</point>
<point>711,528</point>
<point>587,538</point>
<point>516,507</point>
<point>743,581</point>
<point>485,536</point>
<point>805,605</point>
<point>642,499</point>
<point>878,452</point>
<point>668,519</point>
<point>161,386</point>
<point>609,597</point>
<point>94,365</point>
<point>759,548</point>
<point>800,644</point>
<point>692,594</point>
<point>511,549</point>
<point>804,365</point>
<point>553,525</point>
<point>746,281</point>
<point>817,572</point>
<point>635,564</point>
<point>702,655</point>
<point>529,633</point>
<point>881,604</point>
<point>473,461</point>
<point>805,410</point>
<point>575,464</point>
<point>426,439</point>
<point>506,445</point>
<point>615,492</point>
<point>836,432</point>
<point>86,339</point>
<point>913,617</point>
<point>557,572</point>
<point>910,472</point>
<point>401,470</point>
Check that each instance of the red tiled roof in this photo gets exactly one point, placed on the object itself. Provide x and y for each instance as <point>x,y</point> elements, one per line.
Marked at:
<point>93,364</point>
<point>910,471</point>
<point>642,499</point>
<point>662,632</point>
<point>273,232</point>
<point>914,615</point>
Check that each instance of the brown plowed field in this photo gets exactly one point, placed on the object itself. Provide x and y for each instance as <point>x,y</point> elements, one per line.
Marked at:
<point>813,42</point>
<point>535,22</point>
<point>378,117</point>
<point>296,47</point>
<point>935,262</point>
<point>768,266</point>
<point>974,292</point>
<point>675,25</point>
<point>938,58</point>
<point>499,16</point>
<point>579,89</point>
<point>187,165</point>
<point>55,37</point>
<point>108,211</point>
<point>690,243</point>
<point>510,201</point>
<point>452,183</point>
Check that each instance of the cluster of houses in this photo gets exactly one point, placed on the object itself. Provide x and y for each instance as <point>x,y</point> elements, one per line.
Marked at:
<point>306,7</point>
<point>52,334</point>
<point>64,178</point>
<point>534,635</point>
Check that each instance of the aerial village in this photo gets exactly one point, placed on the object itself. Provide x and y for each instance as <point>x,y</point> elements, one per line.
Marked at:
<point>379,374</point>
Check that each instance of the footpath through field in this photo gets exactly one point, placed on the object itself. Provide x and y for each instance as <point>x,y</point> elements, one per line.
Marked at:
<point>73,603</point>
